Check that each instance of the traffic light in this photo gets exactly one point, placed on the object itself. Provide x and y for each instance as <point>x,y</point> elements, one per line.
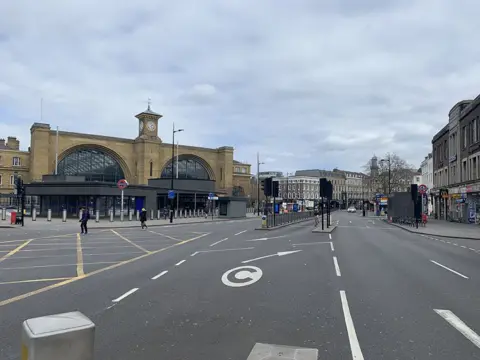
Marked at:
<point>267,190</point>
<point>19,185</point>
<point>275,189</point>
<point>262,185</point>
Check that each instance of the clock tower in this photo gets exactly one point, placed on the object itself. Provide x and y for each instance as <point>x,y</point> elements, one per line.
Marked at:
<point>148,124</point>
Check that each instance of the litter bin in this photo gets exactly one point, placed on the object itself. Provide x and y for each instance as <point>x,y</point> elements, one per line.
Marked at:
<point>13,217</point>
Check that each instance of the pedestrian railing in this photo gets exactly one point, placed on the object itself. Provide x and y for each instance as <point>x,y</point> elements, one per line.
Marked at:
<point>288,218</point>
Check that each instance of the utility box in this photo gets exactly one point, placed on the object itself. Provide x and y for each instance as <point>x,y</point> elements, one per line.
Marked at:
<point>68,336</point>
<point>232,207</point>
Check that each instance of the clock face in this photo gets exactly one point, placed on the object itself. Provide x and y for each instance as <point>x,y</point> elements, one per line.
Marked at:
<point>141,125</point>
<point>151,126</point>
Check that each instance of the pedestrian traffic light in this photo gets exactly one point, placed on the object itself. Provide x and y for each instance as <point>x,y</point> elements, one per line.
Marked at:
<point>267,190</point>
<point>19,185</point>
<point>275,189</point>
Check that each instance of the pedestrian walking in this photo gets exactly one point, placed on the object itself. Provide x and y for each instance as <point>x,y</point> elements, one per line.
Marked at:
<point>84,221</point>
<point>143,218</point>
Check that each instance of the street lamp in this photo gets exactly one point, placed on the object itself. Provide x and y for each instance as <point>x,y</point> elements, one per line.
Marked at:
<point>172,202</point>
<point>389,172</point>
<point>258,183</point>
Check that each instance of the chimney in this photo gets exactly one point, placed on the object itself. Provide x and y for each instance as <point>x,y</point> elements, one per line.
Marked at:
<point>13,143</point>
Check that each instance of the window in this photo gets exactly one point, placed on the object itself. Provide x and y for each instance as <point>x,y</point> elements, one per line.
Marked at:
<point>237,169</point>
<point>188,168</point>
<point>12,180</point>
<point>16,161</point>
<point>464,129</point>
<point>151,168</point>
<point>1,179</point>
<point>417,179</point>
<point>474,131</point>
<point>244,170</point>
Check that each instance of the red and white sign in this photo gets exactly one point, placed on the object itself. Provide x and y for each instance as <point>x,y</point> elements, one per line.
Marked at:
<point>422,189</point>
<point>122,184</point>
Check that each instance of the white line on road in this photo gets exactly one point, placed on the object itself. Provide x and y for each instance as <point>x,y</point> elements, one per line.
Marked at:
<point>458,324</point>
<point>337,268</point>
<point>447,268</point>
<point>463,246</point>
<point>331,246</point>
<point>472,249</point>
<point>208,251</point>
<point>218,242</point>
<point>350,221</point>
<point>267,238</point>
<point>180,262</point>
<point>161,274</point>
<point>330,236</point>
<point>241,232</point>
<point>352,335</point>
<point>455,244</point>
<point>314,243</point>
<point>281,253</point>
<point>125,295</point>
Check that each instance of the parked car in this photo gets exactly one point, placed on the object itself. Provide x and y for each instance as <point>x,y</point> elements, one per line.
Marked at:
<point>351,209</point>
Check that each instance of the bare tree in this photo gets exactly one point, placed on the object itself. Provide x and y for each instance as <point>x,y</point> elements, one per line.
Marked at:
<point>391,175</point>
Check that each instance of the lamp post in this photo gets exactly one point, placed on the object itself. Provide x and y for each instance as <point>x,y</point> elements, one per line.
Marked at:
<point>389,172</point>
<point>172,202</point>
<point>258,183</point>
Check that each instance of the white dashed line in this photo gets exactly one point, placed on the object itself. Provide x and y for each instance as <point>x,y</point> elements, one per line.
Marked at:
<point>472,249</point>
<point>125,295</point>
<point>458,324</point>
<point>455,244</point>
<point>463,246</point>
<point>352,334</point>
<point>218,242</point>
<point>331,246</point>
<point>241,232</point>
<point>337,268</point>
<point>159,275</point>
<point>447,268</point>
<point>330,236</point>
<point>180,262</point>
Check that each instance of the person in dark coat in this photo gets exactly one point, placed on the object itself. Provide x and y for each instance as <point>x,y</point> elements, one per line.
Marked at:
<point>143,218</point>
<point>84,221</point>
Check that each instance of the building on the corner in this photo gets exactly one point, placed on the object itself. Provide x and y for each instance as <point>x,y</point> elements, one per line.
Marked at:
<point>440,173</point>
<point>89,166</point>
<point>426,168</point>
<point>302,190</point>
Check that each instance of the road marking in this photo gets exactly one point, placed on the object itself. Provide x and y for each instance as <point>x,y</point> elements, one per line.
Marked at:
<point>373,222</point>
<point>208,251</point>
<point>472,249</point>
<point>314,243</point>
<point>250,273</point>
<point>337,268</point>
<point>241,232</point>
<point>350,221</point>
<point>447,268</point>
<point>130,242</point>
<point>281,253</point>
<point>32,280</point>
<point>167,236</point>
<point>130,292</point>
<point>14,251</point>
<point>458,324</point>
<point>159,275</point>
<point>352,335</point>
<point>110,267</point>
<point>463,246</point>
<point>180,262</point>
<point>79,257</point>
<point>267,238</point>
<point>455,244</point>
<point>330,236</point>
<point>442,241</point>
<point>56,265</point>
<point>331,246</point>
<point>218,242</point>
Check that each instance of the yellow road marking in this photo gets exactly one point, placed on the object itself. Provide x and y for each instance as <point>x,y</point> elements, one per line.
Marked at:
<point>54,265</point>
<point>79,256</point>
<point>65,282</point>
<point>130,242</point>
<point>11,241</point>
<point>17,249</point>
<point>74,248</point>
<point>33,280</point>
<point>84,254</point>
<point>167,236</point>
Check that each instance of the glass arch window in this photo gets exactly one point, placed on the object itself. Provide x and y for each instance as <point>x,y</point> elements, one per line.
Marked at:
<point>94,164</point>
<point>188,168</point>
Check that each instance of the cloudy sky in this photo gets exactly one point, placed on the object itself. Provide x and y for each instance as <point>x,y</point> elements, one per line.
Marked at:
<point>307,83</point>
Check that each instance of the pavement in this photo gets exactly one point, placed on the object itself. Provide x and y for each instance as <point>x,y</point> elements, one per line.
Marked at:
<point>225,291</point>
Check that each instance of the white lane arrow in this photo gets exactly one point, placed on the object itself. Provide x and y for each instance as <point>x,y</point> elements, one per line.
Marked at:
<point>281,253</point>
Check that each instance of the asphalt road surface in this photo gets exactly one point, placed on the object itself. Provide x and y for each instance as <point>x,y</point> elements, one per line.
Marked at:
<point>216,290</point>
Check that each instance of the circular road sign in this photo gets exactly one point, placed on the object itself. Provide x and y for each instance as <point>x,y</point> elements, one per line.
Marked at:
<point>422,189</point>
<point>122,184</point>
<point>242,276</point>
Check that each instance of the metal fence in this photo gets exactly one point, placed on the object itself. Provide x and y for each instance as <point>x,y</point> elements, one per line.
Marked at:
<point>282,219</point>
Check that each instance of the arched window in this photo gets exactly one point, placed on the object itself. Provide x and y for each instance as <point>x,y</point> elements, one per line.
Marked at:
<point>188,168</point>
<point>94,164</point>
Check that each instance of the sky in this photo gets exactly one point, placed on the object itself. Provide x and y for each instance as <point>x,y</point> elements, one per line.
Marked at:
<point>308,83</point>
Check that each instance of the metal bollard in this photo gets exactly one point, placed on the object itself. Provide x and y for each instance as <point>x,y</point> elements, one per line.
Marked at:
<point>34,214</point>
<point>61,336</point>
<point>111,216</point>
<point>151,214</point>
<point>97,216</point>
<point>121,215</point>
<point>64,215</point>
<point>158,214</point>
<point>176,214</point>
<point>4,214</point>
<point>80,214</point>
<point>184,213</point>
<point>138,215</point>
<point>49,215</point>
<point>130,215</point>
<point>189,212</point>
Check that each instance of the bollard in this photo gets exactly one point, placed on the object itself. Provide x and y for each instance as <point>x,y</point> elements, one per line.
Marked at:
<point>121,215</point>
<point>184,213</point>
<point>61,336</point>
<point>138,215</point>
<point>64,215</point>
<point>176,214</point>
<point>80,214</point>
<point>4,214</point>
<point>130,214</point>
<point>111,216</point>
<point>151,214</point>
<point>49,215</point>
<point>190,213</point>
<point>158,214</point>
<point>97,215</point>
<point>34,214</point>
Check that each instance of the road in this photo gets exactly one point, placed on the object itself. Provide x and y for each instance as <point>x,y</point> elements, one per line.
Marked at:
<point>366,291</point>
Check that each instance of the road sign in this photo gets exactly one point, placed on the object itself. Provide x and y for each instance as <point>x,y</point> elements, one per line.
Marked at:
<point>122,184</point>
<point>242,276</point>
<point>211,195</point>
<point>422,189</point>
<point>171,194</point>
<point>295,207</point>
